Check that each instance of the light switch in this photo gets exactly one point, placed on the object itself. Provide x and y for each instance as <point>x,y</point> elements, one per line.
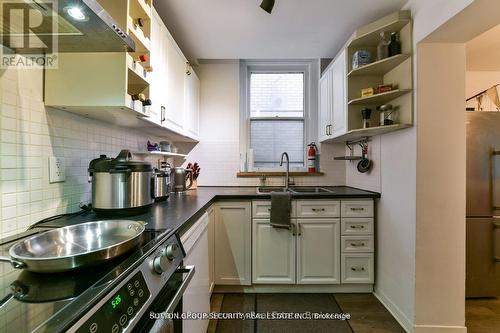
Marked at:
<point>57,170</point>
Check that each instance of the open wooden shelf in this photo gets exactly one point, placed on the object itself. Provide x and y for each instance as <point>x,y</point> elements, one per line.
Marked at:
<point>378,99</point>
<point>142,43</point>
<point>366,132</point>
<point>278,174</point>
<point>162,153</point>
<point>380,67</point>
<point>139,8</point>
<point>369,35</point>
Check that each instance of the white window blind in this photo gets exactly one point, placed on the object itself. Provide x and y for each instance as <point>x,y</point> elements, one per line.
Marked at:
<point>277,118</point>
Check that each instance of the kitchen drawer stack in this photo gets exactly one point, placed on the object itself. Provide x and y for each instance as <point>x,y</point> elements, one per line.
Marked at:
<point>357,241</point>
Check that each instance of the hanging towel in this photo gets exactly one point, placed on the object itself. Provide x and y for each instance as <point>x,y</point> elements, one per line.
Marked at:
<point>493,96</point>
<point>281,206</point>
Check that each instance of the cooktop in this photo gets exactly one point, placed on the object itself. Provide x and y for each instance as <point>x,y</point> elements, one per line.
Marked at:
<point>29,301</point>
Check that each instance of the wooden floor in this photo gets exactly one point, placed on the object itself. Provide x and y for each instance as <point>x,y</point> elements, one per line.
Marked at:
<point>368,315</point>
<point>482,315</point>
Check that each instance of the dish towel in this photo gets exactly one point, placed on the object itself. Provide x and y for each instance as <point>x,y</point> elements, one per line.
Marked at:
<point>281,206</point>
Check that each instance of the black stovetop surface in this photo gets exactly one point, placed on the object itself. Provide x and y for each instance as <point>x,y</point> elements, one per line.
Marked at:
<point>36,302</point>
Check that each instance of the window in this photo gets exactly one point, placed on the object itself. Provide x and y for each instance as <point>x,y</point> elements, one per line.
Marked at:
<point>275,112</point>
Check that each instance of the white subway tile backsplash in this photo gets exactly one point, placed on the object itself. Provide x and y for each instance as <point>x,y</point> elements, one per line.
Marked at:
<point>29,135</point>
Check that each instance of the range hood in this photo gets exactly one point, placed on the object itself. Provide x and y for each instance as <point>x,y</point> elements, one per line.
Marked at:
<point>78,26</point>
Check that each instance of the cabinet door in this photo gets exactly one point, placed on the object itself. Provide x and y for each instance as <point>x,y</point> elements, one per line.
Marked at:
<point>273,254</point>
<point>211,246</point>
<point>157,62</point>
<point>196,298</point>
<point>318,251</point>
<point>325,106</point>
<point>339,100</point>
<point>233,227</point>
<point>176,72</point>
<point>192,104</point>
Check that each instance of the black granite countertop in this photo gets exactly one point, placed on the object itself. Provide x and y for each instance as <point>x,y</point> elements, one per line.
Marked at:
<point>179,210</point>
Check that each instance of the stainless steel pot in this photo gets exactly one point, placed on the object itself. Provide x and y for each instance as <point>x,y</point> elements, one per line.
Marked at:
<point>120,185</point>
<point>179,178</point>
<point>70,247</point>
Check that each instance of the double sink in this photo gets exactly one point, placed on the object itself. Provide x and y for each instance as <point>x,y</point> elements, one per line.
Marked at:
<point>293,189</point>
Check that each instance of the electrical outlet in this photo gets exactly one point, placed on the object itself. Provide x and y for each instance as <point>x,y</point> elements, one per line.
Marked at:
<point>57,170</point>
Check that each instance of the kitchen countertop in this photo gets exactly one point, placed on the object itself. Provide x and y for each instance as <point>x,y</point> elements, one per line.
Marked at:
<point>180,210</point>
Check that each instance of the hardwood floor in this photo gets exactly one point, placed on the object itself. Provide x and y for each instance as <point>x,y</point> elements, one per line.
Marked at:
<point>368,315</point>
<point>482,315</point>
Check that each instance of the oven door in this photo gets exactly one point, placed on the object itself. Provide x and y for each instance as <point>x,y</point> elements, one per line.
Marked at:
<point>164,314</point>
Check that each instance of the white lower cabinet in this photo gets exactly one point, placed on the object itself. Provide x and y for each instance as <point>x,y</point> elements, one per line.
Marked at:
<point>318,251</point>
<point>323,247</point>
<point>196,298</point>
<point>232,243</point>
<point>273,250</point>
<point>357,268</point>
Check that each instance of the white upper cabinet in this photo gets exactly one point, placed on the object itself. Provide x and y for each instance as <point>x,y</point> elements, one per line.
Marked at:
<point>325,105</point>
<point>332,100</point>
<point>176,73</point>
<point>339,102</point>
<point>192,103</point>
<point>158,62</point>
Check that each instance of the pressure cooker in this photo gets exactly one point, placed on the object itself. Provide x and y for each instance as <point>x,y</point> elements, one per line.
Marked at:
<point>120,185</point>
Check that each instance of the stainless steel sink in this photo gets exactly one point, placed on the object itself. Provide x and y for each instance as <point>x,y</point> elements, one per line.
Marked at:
<point>309,190</point>
<point>269,189</point>
<point>295,189</point>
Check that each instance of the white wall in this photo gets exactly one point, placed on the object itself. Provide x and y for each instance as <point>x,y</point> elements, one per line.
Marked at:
<point>29,134</point>
<point>218,150</point>
<point>397,216</point>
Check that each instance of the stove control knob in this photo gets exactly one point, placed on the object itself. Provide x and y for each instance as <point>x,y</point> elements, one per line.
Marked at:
<point>172,251</point>
<point>160,264</point>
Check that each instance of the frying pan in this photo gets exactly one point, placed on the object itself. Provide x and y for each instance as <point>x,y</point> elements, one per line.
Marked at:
<point>70,247</point>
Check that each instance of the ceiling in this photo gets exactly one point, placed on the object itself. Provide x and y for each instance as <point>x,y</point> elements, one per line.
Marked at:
<point>483,52</point>
<point>240,29</point>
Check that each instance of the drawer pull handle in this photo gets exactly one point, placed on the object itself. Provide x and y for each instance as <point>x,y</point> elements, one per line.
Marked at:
<point>357,226</point>
<point>357,208</point>
<point>357,244</point>
<point>357,269</point>
<point>318,209</point>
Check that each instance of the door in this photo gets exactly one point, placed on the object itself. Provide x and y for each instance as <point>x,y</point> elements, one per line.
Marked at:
<point>232,253</point>
<point>325,106</point>
<point>196,298</point>
<point>273,254</point>
<point>339,99</point>
<point>318,251</point>
<point>176,72</point>
<point>192,103</point>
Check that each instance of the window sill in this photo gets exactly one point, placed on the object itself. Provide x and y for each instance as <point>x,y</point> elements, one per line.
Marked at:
<point>278,174</point>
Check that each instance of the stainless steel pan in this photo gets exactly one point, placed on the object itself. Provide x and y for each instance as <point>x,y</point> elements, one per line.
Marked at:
<point>67,248</point>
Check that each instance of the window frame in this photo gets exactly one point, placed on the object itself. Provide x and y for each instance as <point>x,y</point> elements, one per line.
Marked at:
<point>310,69</point>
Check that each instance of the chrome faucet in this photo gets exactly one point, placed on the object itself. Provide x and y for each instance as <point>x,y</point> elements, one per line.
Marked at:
<point>287,175</point>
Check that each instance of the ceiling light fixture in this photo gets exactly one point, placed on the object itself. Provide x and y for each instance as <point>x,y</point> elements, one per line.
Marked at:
<point>267,5</point>
<point>76,13</point>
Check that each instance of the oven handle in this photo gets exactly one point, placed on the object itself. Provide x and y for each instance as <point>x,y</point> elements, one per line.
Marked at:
<point>178,295</point>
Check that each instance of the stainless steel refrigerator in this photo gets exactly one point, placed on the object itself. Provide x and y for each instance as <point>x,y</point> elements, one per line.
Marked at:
<point>483,204</point>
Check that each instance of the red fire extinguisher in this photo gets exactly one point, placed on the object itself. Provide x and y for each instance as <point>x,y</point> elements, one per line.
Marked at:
<point>311,157</point>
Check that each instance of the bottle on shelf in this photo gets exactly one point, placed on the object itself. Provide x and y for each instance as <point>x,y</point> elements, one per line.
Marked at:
<point>139,97</point>
<point>394,45</point>
<point>139,22</point>
<point>383,45</point>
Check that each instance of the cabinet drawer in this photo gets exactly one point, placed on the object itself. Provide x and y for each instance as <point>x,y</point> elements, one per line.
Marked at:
<point>262,209</point>
<point>357,268</point>
<point>357,208</point>
<point>357,226</point>
<point>318,208</point>
<point>357,244</point>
